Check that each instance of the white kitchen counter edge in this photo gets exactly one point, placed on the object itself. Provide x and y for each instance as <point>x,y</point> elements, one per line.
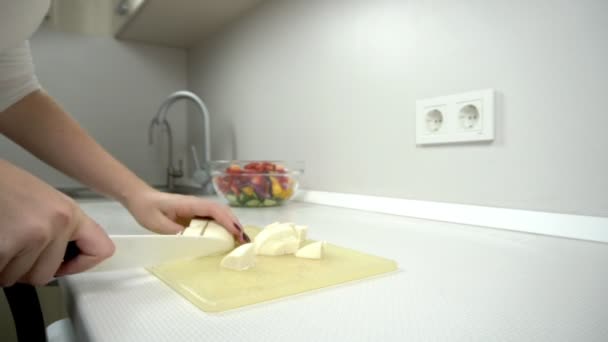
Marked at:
<point>591,228</point>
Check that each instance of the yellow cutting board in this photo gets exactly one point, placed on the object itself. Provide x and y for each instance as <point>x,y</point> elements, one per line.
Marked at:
<point>214,289</point>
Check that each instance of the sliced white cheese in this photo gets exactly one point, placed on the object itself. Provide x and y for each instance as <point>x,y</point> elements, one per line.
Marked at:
<point>241,258</point>
<point>273,233</point>
<point>195,228</point>
<point>287,245</point>
<point>214,231</point>
<point>312,251</point>
<point>195,223</point>
<point>301,233</point>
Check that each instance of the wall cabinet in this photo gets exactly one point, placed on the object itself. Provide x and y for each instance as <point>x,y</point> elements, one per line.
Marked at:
<point>175,23</point>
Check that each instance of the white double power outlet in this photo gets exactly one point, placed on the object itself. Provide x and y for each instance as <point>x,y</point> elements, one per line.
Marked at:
<point>456,118</point>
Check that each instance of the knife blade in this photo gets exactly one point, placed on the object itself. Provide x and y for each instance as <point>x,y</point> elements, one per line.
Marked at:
<point>133,251</point>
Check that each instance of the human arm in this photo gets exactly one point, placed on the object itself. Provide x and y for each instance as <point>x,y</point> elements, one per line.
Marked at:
<point>41,126</point>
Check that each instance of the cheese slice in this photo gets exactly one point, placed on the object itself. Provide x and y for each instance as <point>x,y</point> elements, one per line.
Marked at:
<point>273,236</point>
<point>288,245</point>
<point>311,251</point>
<point>241,258</point>
<point>301,233</point>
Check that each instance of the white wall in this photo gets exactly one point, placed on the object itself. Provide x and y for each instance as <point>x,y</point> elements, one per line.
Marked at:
<point>334,83</point>
<point>113,89</point>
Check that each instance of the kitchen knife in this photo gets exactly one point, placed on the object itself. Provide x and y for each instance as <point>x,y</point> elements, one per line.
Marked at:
<point>134,251</point>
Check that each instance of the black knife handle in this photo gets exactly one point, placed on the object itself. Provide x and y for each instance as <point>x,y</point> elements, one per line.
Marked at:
<point>26,311</point>
<point>71,251</point>
<point>25,306</point>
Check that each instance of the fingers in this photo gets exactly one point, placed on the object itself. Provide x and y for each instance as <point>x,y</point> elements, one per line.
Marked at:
<point>19,266</point>
<point>94,244</point>
<point>46,266</point>
<point>49,260</point>
<point>20,262</point>
<point>222,214</point>
<point>6,253</point>
<point>169,213</point>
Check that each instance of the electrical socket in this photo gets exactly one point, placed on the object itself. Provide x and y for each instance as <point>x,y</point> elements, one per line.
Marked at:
<point>433,120</point>
<point>456,118</point>
<point>469,118</point>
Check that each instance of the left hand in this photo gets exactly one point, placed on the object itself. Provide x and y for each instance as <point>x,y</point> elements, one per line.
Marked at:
<point>160,212</point>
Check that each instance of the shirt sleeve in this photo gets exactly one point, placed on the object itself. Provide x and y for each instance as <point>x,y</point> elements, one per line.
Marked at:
<point>17,77</point>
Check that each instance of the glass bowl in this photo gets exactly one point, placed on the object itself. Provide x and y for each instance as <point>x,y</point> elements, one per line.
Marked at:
<point>256,183</point>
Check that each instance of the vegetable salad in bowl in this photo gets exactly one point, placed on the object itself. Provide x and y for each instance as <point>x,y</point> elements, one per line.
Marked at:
<point>256,183</point>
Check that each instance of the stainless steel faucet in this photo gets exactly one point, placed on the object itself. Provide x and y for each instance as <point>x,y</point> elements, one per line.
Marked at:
<point>161,118</point>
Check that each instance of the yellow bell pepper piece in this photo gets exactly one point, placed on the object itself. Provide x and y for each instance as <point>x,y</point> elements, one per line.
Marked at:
<point>276,187</point>
<point>248,190</point>
<point>287,193</point>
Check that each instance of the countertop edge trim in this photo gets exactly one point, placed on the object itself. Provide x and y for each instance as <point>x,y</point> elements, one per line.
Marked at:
<point>590,228</point>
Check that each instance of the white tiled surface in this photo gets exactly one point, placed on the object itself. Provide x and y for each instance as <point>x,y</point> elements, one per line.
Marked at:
<point>456,283</point>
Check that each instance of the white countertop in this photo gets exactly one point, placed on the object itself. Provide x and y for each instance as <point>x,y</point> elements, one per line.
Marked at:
<point>456,283</point>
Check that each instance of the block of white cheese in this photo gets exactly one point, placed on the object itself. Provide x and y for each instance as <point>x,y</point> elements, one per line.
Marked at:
<point>219,235</point>
<point>276,239</point>
<point>195,228</point>
<point>312,251</point>
<point>196,223</point>
<point>241,258</point>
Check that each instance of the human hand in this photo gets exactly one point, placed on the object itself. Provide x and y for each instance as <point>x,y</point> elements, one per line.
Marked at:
<point>163,212</point>
<point>36,223</point>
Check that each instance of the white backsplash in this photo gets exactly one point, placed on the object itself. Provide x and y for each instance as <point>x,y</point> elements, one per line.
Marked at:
<point>335,83</point>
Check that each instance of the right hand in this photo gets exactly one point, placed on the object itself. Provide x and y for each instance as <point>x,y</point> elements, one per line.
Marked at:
<point>36,224</point>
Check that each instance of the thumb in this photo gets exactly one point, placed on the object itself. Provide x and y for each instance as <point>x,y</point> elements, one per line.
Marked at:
<point>94,244</point>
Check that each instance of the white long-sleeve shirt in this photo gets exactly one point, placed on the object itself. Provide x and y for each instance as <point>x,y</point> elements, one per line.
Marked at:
<point>19,19</point>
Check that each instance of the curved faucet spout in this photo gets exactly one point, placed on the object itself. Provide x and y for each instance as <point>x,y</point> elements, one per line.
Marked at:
<point>161,119</point>
<point>153,124</point>
<point>202,109</point>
